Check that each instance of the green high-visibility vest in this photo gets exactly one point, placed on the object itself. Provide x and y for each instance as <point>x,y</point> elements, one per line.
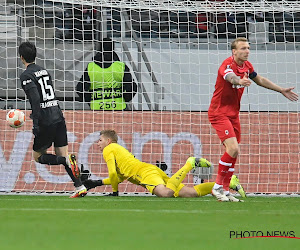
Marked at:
<point>106,86</point>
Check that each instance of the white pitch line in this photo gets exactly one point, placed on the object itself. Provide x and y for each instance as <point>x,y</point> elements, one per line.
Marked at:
<point>167,211</point>
<point>115,199</point>
<point>123,199</point>
<point>116,210</point>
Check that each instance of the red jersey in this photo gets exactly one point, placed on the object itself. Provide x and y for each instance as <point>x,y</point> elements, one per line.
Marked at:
<point>227,97</point>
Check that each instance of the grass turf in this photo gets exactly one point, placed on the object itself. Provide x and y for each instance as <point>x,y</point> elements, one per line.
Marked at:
<point>57,222</point>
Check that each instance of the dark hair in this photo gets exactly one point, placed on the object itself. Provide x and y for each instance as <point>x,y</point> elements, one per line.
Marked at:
<point>28,51</point>
<point>110,134</point>
<point>239,39</point>
<point>106,54</point>
<point>106,45</point>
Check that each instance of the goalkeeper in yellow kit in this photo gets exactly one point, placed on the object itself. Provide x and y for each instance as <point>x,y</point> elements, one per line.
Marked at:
<point>122,165</point>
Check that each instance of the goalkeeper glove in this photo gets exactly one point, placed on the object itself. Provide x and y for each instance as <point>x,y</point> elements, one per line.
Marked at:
<point>84,177</point>
<point>113,194</point>
<point>89,184</point>
<point>162,165</point>
<point>85,174</point>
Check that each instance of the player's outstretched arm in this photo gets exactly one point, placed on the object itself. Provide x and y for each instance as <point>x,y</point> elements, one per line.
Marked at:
<point>266,83</point>
<point>113,194</point>
<point>89,184</point>
<point>289,94</point>
<point>113,176</point>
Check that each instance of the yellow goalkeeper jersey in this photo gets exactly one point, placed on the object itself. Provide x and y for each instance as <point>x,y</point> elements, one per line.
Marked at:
<point>121,164</point>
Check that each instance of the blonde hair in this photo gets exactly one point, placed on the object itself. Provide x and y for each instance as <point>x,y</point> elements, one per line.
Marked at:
<point>236,41</point>
<point>110,134</point>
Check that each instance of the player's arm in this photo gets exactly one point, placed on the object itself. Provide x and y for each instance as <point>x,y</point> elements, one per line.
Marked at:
<point>89,183</point>
<point>107,181</point>
<point>113,176</point>
<point>34,99</point>
<point>83,87</point>
<point>129,85</point>
<point>266,83</point>
<point>236,80</point>
<point>33,95</point>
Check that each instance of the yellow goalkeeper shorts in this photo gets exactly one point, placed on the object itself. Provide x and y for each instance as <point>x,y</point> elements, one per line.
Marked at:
<point>151,176</point>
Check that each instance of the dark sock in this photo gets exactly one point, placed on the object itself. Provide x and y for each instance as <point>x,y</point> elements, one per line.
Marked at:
<point>57,160</point>
<point>52,159</point>
<point>77,181</point>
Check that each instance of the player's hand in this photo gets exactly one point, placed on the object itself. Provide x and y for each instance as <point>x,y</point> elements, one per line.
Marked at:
<point>89,184</point>
<point>162,165</point>
<point>113,194</point>
<point>35,130</point>
<point>289,94</point>
<point>84,174</point>
<point>245,81</point>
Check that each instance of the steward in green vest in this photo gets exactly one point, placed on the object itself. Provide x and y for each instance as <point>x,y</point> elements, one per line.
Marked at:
<point>106,86</point>
<point>107,83</point>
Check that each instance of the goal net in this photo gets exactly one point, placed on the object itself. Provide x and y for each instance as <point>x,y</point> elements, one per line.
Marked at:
<point>173,50</point>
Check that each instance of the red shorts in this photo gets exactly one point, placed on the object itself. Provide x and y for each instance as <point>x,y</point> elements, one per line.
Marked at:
<point>226,127</point>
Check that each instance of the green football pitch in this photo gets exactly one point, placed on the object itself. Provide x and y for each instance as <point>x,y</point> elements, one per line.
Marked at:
<point>93,222</point>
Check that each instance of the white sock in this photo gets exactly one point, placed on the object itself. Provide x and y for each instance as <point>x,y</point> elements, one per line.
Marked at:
<point>80,187</point>
<point>226,192</point>
<point>216,186</point>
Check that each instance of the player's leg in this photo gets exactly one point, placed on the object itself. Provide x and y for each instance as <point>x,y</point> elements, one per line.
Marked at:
<point>69,160</point>
<point>206,188</point>
<point>232,149</point>
<point>186,192</point>
<point>226,164</point>
<point>235,185</point>
<point>179,176</point>
<point>70,165</point>
<point>173,184</point>
<point>162,191</point>
<point>50,159</point>
<point>36,155</point>
<point>154,179</point>
<point>196,191</point>
<point>58,159</point>
<point>61,150</point>
<point>42,142</point>
<point>226,133</point>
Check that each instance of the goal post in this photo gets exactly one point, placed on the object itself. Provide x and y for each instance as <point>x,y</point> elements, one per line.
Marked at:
<point>173,50</point>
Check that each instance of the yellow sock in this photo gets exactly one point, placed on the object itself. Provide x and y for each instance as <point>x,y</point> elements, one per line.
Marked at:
<point>106,181</point>
<point>204,188</point>
<point>179,176</point>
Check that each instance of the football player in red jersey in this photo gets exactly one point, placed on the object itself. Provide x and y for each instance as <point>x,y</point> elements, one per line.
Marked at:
<point>235,73</point>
